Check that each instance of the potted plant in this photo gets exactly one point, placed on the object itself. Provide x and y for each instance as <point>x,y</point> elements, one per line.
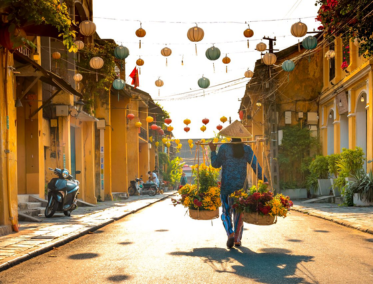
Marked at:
<point>203,198</point>
<point>319,175</point>
<point>259,205</point>
<point>333,160</point>
<point>361,187</point>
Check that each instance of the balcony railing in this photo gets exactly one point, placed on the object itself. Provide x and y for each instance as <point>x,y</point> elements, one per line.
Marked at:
<point>143,133</point>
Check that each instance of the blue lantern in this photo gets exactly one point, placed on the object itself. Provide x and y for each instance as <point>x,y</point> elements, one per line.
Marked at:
<point>213,53</point>
<point>309,43</point>
<point>203,83</point>
<point>121,52</point>
<point>118,84</point>
<point>288,66</point>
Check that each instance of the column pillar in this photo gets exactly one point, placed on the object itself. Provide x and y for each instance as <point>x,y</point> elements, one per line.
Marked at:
<point>89,162</point>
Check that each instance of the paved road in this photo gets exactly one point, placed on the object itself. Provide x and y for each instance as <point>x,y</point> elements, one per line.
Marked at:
<point>161,245</point>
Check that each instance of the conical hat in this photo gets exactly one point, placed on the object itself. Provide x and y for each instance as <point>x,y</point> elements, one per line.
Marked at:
<point>235,130</point>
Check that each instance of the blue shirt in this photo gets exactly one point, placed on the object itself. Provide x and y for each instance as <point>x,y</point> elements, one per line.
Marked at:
<point>234,169</point>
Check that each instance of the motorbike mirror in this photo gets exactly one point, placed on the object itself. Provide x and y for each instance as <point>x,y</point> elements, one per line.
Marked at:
<point>50,169</point>
<point>78,172</point>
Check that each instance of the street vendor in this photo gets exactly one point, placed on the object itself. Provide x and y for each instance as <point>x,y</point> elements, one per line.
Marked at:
<point>233,159</point>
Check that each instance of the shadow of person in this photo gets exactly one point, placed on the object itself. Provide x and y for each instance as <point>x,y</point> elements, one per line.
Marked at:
<point>269,265</point>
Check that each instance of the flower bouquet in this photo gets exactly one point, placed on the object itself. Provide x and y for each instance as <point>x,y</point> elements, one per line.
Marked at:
<point>259,206</point>
<point>204,201</point>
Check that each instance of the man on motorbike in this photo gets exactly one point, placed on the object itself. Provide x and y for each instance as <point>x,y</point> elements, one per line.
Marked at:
<point>153,177</point>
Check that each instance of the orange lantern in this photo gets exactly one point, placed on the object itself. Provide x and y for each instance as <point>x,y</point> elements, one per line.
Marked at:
<point>170,128</point>
<point>166,52</point>
<point>223,119</point>
<point>226,60</point>
<point>140,33</point>
<point>130,116</point>
<point>203,128</point>
<point>138,124</point>
<point>187,121</point>
<point>248,32</point>
<point>149,119</point>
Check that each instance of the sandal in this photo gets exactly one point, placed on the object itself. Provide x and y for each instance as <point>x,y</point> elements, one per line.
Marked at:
<point>230,241</point>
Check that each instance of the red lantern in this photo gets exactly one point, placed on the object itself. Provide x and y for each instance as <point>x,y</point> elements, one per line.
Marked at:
<point>159,128</point>
<point>161,132</point>
<point>154,127</point>
<point>186,129</point>
<point>241,114</point>
<point>219,127</point>
<point>130,116</point>
<point>167,120</point>
<point>205,121</point>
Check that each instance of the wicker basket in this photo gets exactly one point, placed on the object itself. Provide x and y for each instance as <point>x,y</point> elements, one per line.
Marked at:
<point>256,219</point>
<point>203,214</point>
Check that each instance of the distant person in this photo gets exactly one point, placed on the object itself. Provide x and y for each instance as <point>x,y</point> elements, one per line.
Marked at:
<point>183,180</point>
<point>233,159</point>
<point>153,177</point>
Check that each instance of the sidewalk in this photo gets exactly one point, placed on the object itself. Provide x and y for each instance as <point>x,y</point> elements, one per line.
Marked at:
<point>37,238</point>
<point>360,218</point>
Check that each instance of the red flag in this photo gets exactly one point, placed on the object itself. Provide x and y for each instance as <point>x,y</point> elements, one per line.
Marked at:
<point>135,78</point>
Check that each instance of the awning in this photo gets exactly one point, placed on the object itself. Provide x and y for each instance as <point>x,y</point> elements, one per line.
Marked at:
<point>83,116</point>
<point>45,30</point>
<point>122,93</point>
<point>26,67</point>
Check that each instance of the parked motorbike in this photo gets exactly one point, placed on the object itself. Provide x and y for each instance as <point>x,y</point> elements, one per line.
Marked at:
<point>62,193</point>
<point>135,186</point>
<point>150,188</point>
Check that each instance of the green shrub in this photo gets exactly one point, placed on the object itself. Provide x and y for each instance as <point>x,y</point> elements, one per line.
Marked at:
<point>318,170</point>
<point>333,160</point>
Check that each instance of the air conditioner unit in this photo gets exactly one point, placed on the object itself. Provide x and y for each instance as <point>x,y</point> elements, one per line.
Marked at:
<point>62,110</point>
<point>287,117</point>
<point>312,118</point>
<point>101,124</point>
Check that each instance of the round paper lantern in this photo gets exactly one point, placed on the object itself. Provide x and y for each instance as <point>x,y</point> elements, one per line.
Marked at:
<point>56,55</point>
<point>269,59</point>
<point>121,52</point>
<point>168,120</point>
<point>149,119</point>
<point>309,42</point>
<point>170,128</point>
<point>159,83</point>
<point>261,46</point>
<point>203,128</point>
<point>154,127</point>
<point>166,52</point>
<point>186,129</point>
<point>140,62</point>
<point>248,32</point>
<point>219,127</point>
<point>130,116</point>
<point>118,84</point>
<point>330,54</point>
<point>96,63</point>
<point>159,128</point>
<point>223,119</point>
<point>213,53</point>
<point>161,132</point>
<point>226,60</point>
<point>203,83</point>
<point>138,124</point>
<point>87,28</point>
<point>288,65</point>
<point>156,144</point>
<point>140,33</point>
<point>187,121</point>
<point>240,113</point>
<point>205,121</point>
<point>249,74</point>
<point>195,34</point>
<point>79,44</point>
<point>78,77</point>
<point>299,29</point>
<point>190,141</point>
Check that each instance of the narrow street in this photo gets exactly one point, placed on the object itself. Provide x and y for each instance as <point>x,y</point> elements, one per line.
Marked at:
<point>160,244</point>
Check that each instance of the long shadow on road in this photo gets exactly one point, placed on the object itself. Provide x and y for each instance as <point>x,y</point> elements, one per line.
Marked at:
<point>265,267</point>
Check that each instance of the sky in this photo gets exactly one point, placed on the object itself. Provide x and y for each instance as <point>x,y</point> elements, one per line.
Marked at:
<point>167,22</point>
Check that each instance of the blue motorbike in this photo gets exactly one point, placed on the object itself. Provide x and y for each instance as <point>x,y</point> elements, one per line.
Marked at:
<point>62,193</point>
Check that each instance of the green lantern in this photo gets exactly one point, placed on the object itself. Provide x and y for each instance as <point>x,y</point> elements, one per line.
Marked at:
<point>288,66</point>
<point>203,83</point>
<point>309,43</point>
<point>118,84</point>
<point>121,52</point>
<point>213,53</point>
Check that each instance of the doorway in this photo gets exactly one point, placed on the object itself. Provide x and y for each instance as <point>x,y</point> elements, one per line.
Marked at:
<point>73,152</point>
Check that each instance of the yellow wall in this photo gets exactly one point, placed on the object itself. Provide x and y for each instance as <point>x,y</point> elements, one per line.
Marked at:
<point>133,143</point>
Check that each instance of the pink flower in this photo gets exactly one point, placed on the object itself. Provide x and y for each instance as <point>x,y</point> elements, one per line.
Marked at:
<point>344,65</point>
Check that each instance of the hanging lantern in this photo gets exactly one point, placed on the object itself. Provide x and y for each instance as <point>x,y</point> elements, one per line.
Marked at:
<point>203,128</point>
<point>203,83</point>
<point>168,120</point>
<point>140,33</point>
<point>249,74</point>
<point>56,56</point>
<point>309,42</point>
<point>191,146</point>
<point>195,34</point>
<point>223,119</point>
<point>248,32</point>
<point>186,129</point>
<point>166,52</point>
<point>77,78</point>
<point>156,144</point>
<point>161,132</point>
<point>213,53</point>
<point>118,84</point>
<point>261,46</point>
<point>170,128</point>
<point>154,127</point>
<point>121,52</point>
<point>226,60</point>
<point>219,127</point>
<point>187,121</point>
<point>96,63</point>
<point>205,121</point>
<point>330,54</point>
<point>138,124</point>
<point>87,28</point>
<point>79,45</point>
<point>216,140</point>
<point>140,62</point>
<point>168,144</point>
<point>269,59</point>
<point>288,66</point>
<point>159,128</point>
<point>240,113</point>
<point>159,83</point>
<point>190,141</point>
<point>151,139</point>
<point>179,146</point>
<point>299,30</point>
<point>149,119</point>
<point>130,116</point>
<point>177,141</point>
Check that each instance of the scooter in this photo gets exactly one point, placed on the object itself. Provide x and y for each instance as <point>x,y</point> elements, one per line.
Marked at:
<point>135,186</point>
<point>62,193</point>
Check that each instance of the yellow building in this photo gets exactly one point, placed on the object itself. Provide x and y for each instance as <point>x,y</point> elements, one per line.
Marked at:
<point>345,111</point>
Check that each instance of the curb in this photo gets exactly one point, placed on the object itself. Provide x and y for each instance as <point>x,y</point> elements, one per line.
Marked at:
<point>71,237</point>
<point>336,220</point>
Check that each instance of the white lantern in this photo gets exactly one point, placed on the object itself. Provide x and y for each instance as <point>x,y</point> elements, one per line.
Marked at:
<point>159,83</point>
<point>330,54</point>
<point>87,28</point>
<point>80,45</point>
<point>261,46</point>
<point>249,74</point>
<point>96,63</point>
<point>299,29</point>
<point>269,59</point>
<point>77,78</point>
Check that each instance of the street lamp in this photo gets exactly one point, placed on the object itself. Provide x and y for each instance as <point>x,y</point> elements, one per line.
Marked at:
<point>78,106</point>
